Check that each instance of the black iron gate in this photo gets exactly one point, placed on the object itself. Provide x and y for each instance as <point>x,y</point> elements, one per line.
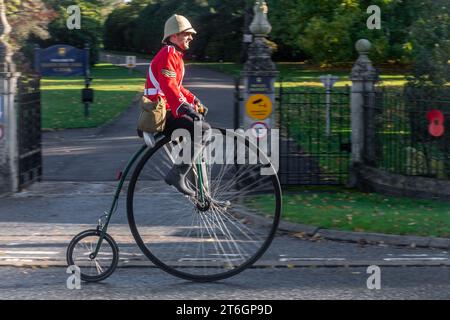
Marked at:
<point>29,131</point>
<point>314,136</point>
<point>315,131</point>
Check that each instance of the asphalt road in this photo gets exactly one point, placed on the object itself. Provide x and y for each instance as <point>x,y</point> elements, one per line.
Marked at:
<point>37,224</point>
<point>267,284</point>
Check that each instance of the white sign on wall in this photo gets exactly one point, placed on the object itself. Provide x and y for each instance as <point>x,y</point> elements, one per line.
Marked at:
<point>131,61</point>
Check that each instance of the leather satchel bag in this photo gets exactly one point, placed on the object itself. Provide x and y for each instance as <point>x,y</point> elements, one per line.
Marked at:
<point>153,115</point>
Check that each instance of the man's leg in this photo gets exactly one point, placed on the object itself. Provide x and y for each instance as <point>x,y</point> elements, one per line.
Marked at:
<point>177,175</point>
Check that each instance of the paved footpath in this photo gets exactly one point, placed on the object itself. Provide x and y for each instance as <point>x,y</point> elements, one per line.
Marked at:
<point>79,168</point>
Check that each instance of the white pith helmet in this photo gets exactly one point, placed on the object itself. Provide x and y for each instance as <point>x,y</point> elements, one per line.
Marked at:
<point>176,24</point>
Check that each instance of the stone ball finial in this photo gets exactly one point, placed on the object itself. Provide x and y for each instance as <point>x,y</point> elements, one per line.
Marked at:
<point>260,26</point>
<point>363,46</point>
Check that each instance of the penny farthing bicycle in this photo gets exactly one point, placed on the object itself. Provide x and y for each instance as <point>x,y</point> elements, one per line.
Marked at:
<point>220,232</point>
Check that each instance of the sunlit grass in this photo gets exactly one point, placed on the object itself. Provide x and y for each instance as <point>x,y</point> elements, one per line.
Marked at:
<point>114,90</point>
<point>350,210</point>
<point>295,75</point>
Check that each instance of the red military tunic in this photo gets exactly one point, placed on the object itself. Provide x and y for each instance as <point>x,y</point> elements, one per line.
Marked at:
<point>164,78</point>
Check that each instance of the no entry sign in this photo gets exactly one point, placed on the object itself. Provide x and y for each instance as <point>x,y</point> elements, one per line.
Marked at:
<point>259,130</point>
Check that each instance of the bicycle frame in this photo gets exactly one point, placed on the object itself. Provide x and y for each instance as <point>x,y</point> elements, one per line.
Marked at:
<point>200,180</point>
<point>216,214</point>
<point>103,227</point>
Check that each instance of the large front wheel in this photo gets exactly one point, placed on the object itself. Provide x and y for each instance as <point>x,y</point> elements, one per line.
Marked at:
<point>222,231</point>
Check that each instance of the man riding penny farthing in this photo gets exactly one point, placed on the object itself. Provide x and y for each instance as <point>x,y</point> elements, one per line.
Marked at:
<point>194,215</point>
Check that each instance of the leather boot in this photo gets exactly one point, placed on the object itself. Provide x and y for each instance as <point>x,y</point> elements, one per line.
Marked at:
<point>177,177</point>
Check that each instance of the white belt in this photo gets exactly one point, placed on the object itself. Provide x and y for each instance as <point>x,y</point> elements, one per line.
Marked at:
<point>152,92</point>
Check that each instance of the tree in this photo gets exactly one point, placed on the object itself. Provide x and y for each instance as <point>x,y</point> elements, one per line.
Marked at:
<point>324,31</point>
<point>139,26</point>
<point>321,31</point>
<point>91,31</point>
<point>28,20</point>
<point>121,24</point>
<point>430,46</point>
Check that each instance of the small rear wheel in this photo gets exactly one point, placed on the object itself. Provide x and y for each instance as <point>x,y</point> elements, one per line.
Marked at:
<point>83,246</point>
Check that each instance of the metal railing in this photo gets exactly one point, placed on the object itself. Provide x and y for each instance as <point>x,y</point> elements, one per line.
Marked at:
<point>408,131</point>
<point>315,136</point>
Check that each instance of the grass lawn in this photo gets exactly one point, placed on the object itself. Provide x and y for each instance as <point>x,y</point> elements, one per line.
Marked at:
<point>350,210</point>
<point>296,75</point>
<point>114,90</point>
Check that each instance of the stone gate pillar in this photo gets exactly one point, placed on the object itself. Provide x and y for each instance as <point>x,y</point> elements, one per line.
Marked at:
<point>363,77</point>
<point>259,76</point>
<point>8,118</point>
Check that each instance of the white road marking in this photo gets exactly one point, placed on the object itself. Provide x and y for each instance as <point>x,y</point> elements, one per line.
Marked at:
<point>28,252</point>
<point>311,259</point>
<point>415,259</point>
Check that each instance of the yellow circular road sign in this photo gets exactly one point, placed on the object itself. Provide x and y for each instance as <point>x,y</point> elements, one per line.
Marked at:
<point>258,106</point>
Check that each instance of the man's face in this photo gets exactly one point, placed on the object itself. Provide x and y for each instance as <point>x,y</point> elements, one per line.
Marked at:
<point>182,40</point>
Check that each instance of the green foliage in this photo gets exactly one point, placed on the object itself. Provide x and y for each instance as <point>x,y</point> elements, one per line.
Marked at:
<point>28,19</point>
<point>430,46</point>
<point>43,22</point>
<point>91,31</point>
<point>336,42</point>
<point>139,26</point>
<point>322,31</point>
<point>120,26</point>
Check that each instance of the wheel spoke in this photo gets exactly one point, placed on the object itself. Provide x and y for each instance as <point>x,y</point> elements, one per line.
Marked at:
<point>196,240</point>
<point>103,265</point>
